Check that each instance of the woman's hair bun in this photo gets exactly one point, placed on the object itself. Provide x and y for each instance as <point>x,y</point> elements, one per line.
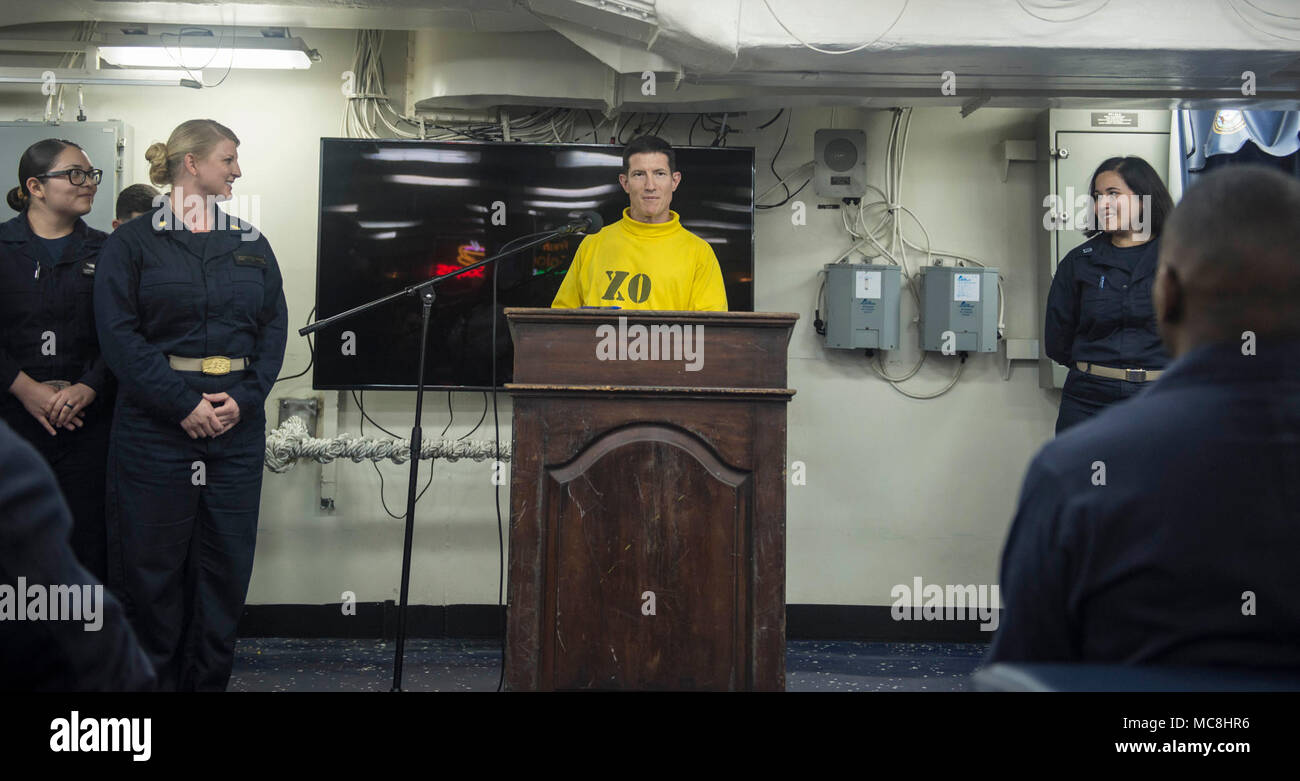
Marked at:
<point>17,199</point>
<point>156,154</point>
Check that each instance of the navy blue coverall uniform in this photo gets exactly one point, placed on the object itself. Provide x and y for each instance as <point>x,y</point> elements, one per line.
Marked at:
<point>49,655</point>
<point>185,510</point>
<point>1186,554</point>
<point>47,330</point>
<point>1100,311</point>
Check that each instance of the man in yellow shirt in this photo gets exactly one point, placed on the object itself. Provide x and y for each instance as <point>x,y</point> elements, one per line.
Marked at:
<point>646,260</point>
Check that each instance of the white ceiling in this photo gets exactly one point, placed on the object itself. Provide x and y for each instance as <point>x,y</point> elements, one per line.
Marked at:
<point>1155,54</point>
<point>480,15</point>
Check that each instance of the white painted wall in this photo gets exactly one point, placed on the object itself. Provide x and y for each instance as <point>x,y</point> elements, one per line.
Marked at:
<point>896,488</point>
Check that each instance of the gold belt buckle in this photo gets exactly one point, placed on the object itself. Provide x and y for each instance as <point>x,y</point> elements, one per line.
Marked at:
<point>217,364</point>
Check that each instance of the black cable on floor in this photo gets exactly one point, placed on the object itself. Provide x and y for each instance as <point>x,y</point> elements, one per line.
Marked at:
<point>501,542</point>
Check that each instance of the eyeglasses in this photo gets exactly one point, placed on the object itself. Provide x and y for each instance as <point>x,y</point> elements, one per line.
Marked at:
<point>76,176</point>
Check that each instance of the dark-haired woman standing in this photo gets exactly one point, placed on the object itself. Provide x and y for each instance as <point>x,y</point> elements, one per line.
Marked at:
<point>50,365</point>
<point>1100,318</point>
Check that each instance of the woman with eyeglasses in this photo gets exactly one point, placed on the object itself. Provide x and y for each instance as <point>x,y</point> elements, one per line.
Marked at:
<point>1100,318</point>
<point>58,386</point>
<point>190,308</point>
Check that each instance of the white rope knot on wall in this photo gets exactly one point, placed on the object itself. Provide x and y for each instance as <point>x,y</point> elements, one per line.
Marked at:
<point>290,442</point>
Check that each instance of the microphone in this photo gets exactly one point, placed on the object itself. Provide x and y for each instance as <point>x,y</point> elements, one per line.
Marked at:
<point>587,222</point>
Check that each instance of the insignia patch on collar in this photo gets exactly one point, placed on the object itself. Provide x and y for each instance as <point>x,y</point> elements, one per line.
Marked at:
<point>250,260</point>
<point>88,269</point>
<point>1087,251</point>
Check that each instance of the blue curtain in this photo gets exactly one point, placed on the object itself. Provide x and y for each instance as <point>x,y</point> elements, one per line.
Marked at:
<point>1211,139</point>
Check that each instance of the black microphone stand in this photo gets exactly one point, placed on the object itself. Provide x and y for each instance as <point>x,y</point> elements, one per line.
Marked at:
<point>425,291</point>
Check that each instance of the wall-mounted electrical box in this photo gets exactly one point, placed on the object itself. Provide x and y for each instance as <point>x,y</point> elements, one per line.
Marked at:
<point>839,163</point>
<point>862,306</point>
<point>964,301</point>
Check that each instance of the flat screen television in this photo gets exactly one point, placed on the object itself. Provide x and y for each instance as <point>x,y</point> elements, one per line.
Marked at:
<point>394,213</point>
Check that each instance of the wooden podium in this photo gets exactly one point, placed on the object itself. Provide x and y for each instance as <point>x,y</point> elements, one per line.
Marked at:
<point>647,500</point>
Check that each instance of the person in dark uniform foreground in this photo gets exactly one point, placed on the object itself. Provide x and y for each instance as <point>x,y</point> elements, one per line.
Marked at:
<point>192,320</point>
<point>45,654</point>
<point>1099,320</point>
<point>1164,530</point>
<point>58,392</point>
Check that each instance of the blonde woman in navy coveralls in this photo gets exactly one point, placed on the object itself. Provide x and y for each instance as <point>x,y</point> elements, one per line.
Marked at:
<point>192,320</point>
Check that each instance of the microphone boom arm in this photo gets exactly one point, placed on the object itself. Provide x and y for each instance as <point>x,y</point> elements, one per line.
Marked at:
<point>415,289</point>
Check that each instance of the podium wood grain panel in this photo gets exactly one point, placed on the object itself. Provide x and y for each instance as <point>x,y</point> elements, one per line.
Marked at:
<point>623,484</point>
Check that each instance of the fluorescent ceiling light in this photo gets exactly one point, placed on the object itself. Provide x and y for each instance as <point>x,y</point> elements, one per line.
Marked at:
<point>575,159</point>
<point>160,74</point>
<point>424,155</point>
<point>130,78</point>
<point>208,52</point>
<point>431,181</point>
<point>715,225</point>
<point>563,204</point>
<point>393,224</point>
<point>576,192</point>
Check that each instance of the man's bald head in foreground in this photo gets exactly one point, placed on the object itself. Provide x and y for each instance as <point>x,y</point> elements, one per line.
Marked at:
<point>1230,260</point>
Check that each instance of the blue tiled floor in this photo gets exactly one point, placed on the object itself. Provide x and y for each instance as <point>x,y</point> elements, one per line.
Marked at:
<point>818,665</point>
<point>281,664</point>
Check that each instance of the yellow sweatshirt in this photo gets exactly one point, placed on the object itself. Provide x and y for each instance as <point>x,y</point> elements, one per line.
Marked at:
<point>639,265</point>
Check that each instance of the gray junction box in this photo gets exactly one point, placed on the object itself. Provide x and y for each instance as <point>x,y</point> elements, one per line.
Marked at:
<point>962,300</point>
<point>862,306</point>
